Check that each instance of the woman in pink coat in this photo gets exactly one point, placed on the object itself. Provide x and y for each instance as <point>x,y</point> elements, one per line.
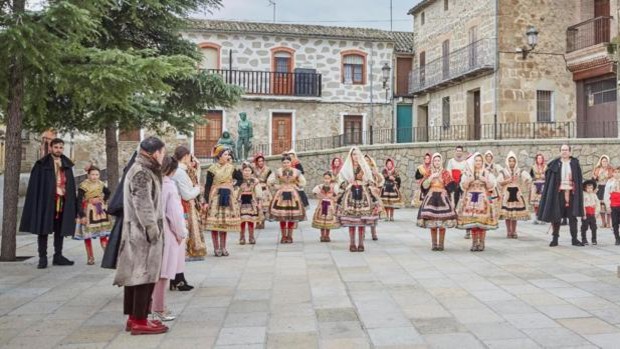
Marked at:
<point>174,233</point>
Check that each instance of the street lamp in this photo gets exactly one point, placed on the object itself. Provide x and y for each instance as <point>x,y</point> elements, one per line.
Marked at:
<point>532,40</point>
<point>385,70</point>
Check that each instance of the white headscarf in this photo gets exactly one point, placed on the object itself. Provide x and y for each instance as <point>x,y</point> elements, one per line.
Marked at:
<point>514,170</point>
<point>433,169</point>
<point>471,162</point>
<point>347,173</point>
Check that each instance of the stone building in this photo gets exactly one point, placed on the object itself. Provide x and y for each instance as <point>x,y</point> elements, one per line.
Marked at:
<point>476,76</point>
<point>305,85</point>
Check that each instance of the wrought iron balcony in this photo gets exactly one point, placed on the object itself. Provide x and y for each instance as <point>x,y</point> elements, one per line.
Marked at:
<point>298,84</point>
<point>589,33</point>
<point>473,60</point>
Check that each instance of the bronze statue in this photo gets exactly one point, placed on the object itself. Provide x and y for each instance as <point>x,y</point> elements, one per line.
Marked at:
<point>244,141</point>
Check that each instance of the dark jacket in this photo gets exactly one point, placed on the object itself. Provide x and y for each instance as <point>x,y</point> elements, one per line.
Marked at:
<point>39,207</point>
<point>115,208</point>
<point>549,210</point>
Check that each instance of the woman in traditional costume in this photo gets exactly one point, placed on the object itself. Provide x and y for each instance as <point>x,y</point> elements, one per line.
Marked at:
<point>421,173</point>
<point>262,173</point>
<point>287,206</point>
<point>537,173</point>
<point>474,210</point>
<point>325,217</point>
<point>391,195</point>
<point>436,211</point>
<point>377,183</point>
<point>603,171</point>
<point>295,163</point>
<point>250,194</point>
<point>359,203</point>
<point>222,206</point>
<point>92,212</point>
<point>336,166</point>
<point>513,181</point>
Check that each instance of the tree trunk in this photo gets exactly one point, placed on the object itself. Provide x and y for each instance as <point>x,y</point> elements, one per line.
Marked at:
<point>13,151</point>
<point>111,153</point>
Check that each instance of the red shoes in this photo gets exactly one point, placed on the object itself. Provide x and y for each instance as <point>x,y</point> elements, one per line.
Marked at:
<point>147,327</point>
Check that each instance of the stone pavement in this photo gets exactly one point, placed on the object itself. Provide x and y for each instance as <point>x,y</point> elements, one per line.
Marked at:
<point>398,294</point>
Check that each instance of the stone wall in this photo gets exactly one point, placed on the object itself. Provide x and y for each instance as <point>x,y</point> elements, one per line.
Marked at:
<point>409,156</point>
<point>453,24</point>
<point>253,52</point>
<point>544,69</point>
<point>311,119</point>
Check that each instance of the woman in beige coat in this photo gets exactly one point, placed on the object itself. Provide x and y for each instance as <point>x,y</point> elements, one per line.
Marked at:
<point>141,248</point>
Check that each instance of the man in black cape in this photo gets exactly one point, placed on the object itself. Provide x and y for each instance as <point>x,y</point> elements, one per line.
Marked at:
<point>562,195</point>
<point>51,205</point>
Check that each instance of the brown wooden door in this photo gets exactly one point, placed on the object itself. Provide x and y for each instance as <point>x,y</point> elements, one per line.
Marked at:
<point>403,67</point>
<point>353,126</point>
<point>281,132</point>
<point>602,32</point>
<point>207,135</point>
<point>282,80</point>
<point>600,109</point>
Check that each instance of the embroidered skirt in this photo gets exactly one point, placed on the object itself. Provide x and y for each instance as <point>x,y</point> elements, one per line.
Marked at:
<point>249,209</point>
<point>97,223</point>
<point>536,190</point>
<point>391,196</point>
<point>358,207</point>
<point>223,212</point>
<point>196,248</point>
<point>325,215</point>
<point>436,211</point>
<point>475,211</point>
<point>513,206</point>
<point>287,205</point>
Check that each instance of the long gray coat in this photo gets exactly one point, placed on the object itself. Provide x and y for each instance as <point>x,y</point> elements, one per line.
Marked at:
<point>141,248</point>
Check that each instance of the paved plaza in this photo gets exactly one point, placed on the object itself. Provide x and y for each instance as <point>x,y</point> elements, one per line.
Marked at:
<point>398,294</point>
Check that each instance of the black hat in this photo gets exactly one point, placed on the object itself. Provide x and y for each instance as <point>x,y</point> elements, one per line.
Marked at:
<point>591,182</point>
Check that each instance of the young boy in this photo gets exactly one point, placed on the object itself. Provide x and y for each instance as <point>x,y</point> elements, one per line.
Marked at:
<point>591,207</point>
<point>612,200</point>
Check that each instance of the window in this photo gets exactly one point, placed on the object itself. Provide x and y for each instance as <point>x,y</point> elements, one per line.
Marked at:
<point>129,135</point>
<point>445,5</point>
<point>210,55</point>
<point>354,68</point>
<point>601,92</point>
<point>544,106</point>
<point>422,18</point>
<point>473,46</point>
<point>353,128</point>
<point>445,112</point>
<point>422,68</point>
<point>445,58</point>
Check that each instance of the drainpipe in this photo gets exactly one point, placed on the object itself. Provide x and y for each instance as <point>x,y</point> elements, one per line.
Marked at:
<point>372,109</point>
<point>497,58</point>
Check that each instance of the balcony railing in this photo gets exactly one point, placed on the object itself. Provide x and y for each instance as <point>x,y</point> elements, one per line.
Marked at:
<point>273,83</point>
<point>469,61</point>
<point>499,131</point>
<point>589,33</point>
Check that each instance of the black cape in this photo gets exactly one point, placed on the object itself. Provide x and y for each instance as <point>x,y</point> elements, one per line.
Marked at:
<point>115,208</point>
<point>549,209</point>
<point>39,207</point>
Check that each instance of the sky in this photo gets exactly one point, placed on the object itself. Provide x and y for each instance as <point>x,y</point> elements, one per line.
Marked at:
<point>348,13</point>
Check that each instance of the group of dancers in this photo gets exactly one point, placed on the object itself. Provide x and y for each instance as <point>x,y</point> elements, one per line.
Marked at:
<point>474,193</point>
